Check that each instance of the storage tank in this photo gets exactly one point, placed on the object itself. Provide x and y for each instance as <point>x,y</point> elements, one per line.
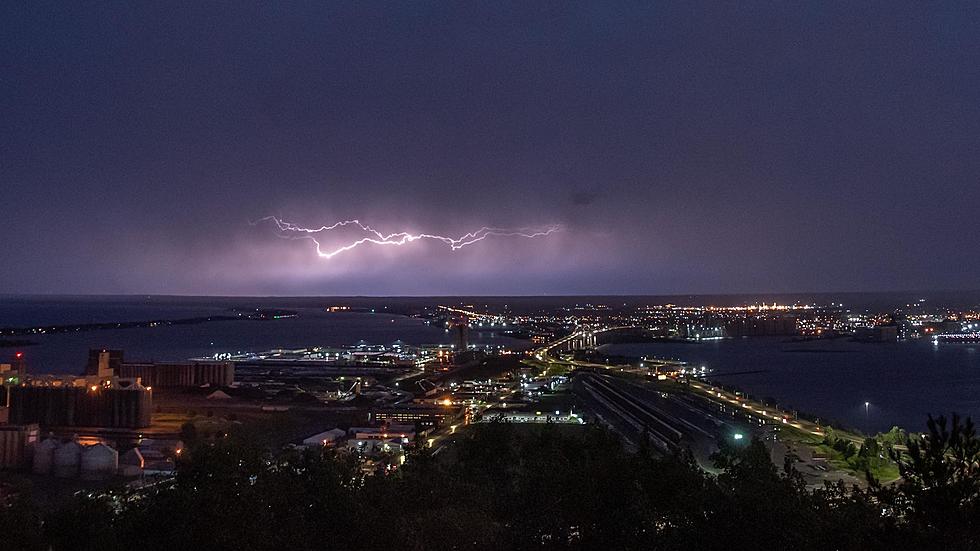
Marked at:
<point>44,455</point>
<point>131,463</point>
<point>67,459</point>
<point>99,462</point>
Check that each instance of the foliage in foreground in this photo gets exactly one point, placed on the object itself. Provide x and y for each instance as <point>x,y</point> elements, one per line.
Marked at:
<point>509,487</point>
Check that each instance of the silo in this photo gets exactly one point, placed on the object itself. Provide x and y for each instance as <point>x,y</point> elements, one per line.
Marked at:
<point>99,462</point>
<point>67,459</point>
<point>131,463</point>
<point>44,455</point>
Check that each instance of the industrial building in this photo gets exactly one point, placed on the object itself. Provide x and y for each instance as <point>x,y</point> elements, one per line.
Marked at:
<point>170,375</point>
<point>755,326</point>
<point>462,329</point>
<point>326,438</point>
<point>80,406</point>
<point>16,444</point>
<point>110,394</point>
<point>14,370</point>
<point>105,363</point>
<point>422,416</point>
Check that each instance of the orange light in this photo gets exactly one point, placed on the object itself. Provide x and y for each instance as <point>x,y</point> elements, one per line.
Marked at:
<point>93,388</point>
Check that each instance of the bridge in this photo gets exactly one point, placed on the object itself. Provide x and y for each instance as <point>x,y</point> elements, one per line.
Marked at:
<point>473,314</point>
<point>582,338</point>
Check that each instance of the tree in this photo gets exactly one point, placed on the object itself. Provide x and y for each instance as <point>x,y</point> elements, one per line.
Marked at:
<point>188,433</point>
<point>20,522</point>
<point>938,497</point>
<point>532,487</point>
<point>86,523</point>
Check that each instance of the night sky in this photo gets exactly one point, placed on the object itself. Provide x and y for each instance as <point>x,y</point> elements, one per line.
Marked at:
<point>683,148</point>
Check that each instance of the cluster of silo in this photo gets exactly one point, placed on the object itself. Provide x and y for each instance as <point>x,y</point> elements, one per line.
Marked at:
<point>70,460</point>
<point>163,375</point>
<point>81,406</point>
<point>67,459</point>
<point>99,462</point>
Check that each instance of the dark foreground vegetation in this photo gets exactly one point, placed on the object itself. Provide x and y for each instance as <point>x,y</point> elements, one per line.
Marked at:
<point>509,487</point>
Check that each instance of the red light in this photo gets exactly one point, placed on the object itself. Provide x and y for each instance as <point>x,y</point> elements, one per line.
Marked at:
<point>19,355</point>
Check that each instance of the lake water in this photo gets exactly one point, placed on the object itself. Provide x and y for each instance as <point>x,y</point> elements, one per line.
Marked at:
<point>68,352</point>
<point>902,382</point>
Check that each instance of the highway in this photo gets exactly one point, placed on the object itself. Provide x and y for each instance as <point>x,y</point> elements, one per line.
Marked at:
<point>765,412</point>
<point>544,354</point>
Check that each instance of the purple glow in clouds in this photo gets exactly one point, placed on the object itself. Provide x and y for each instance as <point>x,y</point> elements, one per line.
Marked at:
<point>366,235</point>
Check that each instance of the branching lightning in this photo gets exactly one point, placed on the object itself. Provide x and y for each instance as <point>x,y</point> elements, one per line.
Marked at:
<point>288,230</point>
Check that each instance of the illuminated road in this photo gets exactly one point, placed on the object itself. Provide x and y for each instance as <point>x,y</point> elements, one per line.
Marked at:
<point>706,390</point>
<point>543,354</point>
<point>762,411</point>
<point>694,416</point>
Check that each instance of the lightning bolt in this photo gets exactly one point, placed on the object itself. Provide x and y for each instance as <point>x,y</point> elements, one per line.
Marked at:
<point>288,230</point>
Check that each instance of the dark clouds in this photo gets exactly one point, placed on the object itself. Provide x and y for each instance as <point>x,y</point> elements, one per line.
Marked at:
<point>686,147</point>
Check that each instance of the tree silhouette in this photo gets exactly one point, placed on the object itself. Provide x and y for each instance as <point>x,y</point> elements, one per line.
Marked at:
<point>939,494</point>
<point>500,486</point>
